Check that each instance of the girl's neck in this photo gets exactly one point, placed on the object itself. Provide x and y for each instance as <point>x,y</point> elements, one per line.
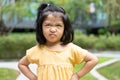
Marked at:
<point>55,46</point>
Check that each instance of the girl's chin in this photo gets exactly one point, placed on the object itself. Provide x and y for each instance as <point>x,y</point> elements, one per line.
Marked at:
<point>53,42</point>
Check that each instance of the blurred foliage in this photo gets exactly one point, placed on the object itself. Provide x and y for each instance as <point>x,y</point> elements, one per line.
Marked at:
<point>20,9</point>
<point>14,46</point>
<point>16,9</point>
<point>101,42</point>
<point>112,7</point>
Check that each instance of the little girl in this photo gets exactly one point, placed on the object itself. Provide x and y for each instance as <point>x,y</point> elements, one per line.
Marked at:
<point>55,54</point>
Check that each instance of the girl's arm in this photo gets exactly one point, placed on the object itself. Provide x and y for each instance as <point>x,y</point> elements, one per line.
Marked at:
<point>90,62</point>
<point>23,66</point>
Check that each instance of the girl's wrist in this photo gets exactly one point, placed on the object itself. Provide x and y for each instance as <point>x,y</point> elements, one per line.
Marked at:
<point>78,75</point>
<point>34,77</point>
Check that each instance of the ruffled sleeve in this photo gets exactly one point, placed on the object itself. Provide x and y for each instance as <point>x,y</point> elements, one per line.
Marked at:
<point>32,56</point>
<point>78,54</point>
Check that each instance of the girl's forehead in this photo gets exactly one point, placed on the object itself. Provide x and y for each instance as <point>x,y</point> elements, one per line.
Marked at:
<point>53,17</point>
<point>55,14</point>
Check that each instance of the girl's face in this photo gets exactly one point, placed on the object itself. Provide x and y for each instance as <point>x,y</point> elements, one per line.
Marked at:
<point>53,29</point>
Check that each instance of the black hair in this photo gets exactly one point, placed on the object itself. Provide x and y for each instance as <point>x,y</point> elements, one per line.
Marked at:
<point>44,8</point>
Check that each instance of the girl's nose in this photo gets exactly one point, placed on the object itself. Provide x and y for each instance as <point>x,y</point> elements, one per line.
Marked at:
<point>53,29</point>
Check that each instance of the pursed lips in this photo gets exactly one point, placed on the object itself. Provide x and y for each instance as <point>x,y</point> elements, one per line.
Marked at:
<point>52,35</point>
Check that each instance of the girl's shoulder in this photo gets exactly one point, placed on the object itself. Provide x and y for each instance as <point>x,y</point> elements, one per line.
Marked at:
<point>34,48</point>
<point>75,47</point>
<point>72,45</point>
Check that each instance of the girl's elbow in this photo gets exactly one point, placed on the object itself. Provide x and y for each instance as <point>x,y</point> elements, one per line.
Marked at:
<point>19,65</point>
<point>95,60</point>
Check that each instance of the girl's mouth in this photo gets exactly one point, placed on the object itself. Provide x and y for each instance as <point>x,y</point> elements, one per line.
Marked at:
<point>52,35</point>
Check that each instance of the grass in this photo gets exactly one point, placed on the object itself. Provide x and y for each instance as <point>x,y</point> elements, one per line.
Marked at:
<point>112,72</point>
<point>8,74</point>
<point>89,76</point>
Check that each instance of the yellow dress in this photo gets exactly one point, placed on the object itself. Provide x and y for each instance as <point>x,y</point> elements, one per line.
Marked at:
<point>55,65</point>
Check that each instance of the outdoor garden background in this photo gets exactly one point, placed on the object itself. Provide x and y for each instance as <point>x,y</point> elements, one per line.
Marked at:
<point>96,24</point>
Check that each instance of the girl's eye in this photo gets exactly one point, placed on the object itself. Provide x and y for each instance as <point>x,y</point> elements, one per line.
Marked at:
<point>47,25</point>
<point>58,25</point>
